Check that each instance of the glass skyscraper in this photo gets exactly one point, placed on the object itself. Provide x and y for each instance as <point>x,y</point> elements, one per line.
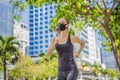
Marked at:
<point>107,58</point>
<point>6,18</point>
<point>40,36</point>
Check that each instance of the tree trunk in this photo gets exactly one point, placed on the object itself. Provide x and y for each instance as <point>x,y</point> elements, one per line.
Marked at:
<point>113,44</point>
<point>117,57</point>
<point>4,62</point>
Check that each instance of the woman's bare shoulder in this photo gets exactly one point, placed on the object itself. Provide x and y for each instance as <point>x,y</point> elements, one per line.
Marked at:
<point>73,36</point>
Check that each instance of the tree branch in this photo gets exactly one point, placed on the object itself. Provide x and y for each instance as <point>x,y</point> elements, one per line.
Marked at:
<point>110,12</point>
<point>104,4</point>
<point>98,5</point>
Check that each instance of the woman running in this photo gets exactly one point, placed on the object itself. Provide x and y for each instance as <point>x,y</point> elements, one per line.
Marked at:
<point>67,69</point>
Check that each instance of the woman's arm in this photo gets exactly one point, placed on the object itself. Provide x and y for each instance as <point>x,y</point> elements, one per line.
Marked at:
<point>75,39</point>
<point>52,46</point>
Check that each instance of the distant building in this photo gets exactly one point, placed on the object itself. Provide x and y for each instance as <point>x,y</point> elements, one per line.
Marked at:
<point>40,36</point>
<point>107,58</point>
<point>6,18</point>
<point>90,53</point>
<point>21,32</point>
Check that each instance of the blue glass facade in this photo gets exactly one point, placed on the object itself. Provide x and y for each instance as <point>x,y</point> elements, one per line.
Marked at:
<point>6,18</point>
<point>40,35</point>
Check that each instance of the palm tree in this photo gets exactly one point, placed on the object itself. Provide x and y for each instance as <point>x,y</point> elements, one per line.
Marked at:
<point>8,47</point>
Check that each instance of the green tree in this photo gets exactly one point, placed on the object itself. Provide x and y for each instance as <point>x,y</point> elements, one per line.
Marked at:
<point>50,71</point>
<point>7,50</point>
<point>98,14</point>
<point>24,68</point>
<point>98,70</point>
<point>27,68</point>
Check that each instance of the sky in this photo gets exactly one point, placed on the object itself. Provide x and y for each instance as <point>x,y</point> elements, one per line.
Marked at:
<point>25,17</point>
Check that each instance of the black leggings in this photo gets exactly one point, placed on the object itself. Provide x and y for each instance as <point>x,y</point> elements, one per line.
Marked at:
<point>68,75</point>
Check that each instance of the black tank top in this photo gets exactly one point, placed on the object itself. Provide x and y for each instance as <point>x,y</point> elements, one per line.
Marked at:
<point>65,55</point>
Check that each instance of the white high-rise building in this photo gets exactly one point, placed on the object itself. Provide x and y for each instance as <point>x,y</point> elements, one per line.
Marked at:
<point>90,52</point>
<point>21,32</point>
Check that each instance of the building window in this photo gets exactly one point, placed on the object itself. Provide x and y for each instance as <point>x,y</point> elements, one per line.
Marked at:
<point>41,46</point>
<point>46,13</point>
<point>31,38</point>
<point>46,36</point>
<point>41,19</point>
<point>36,28</point>
<point>31,12</point>
<point>31,48</point>
<point>36,52</point>
<point>41,42</point>
<point>51,7</point>
<point>51,12</point>
<point>31,53</point>
<point>46,27</point>
<point>31,43</point>
<point>31,29</point>
<point>41,9</point>
<point>46,4</point>
<point>51,35</point>
<point>36,19</point>
<point>51,16</point>
<point>46,31</point>
<point>46,17</point>
<point>36,24</point>
<point>41,37</point>
<point>31,16</point>
<point>50,30</point>
<point>31,34</point>
<point>46,22</point>
<point>41,32</point>
<point>36,33</point>
<point>36,15</point>
<point>41,27</point>
<point>31,20</point>
<point>41,23</point>
<point>36,47</point>
<point>31,7</point>
<point>40,14</point>
<point>36,38</point>
<point>41,51</point>
<point>36,11</point>
<point>46,41</point>
<point>84,51</point>
<point>46,46</point>
<point>31,25</point>
<point>46,8</point>
<point>36,42</point>
<point>35,6</point>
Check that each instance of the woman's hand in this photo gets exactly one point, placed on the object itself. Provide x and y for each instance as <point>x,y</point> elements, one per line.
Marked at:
<point>76,54</point>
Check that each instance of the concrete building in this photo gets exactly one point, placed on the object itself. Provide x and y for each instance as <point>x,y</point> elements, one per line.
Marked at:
<point>40,36</point>
<point>90,53</point>
<point>6,18</point>
<point>21,32</point>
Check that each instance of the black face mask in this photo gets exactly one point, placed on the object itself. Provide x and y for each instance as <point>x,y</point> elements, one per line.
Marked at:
<point>62,27</point>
